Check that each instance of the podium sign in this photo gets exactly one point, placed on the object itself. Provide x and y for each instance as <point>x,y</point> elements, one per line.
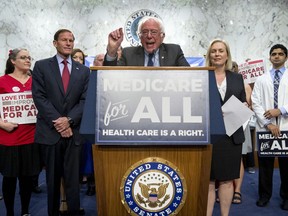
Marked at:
<point>152,106</point>
<point>152,129</point>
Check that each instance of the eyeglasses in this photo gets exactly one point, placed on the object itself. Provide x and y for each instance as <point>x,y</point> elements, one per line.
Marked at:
<point>26,58</point>
<point>146,32</point>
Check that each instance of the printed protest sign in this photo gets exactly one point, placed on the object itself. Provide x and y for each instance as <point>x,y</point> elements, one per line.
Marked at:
<point>18,108</point>
<point>269,146</point>
<point>251,70</point>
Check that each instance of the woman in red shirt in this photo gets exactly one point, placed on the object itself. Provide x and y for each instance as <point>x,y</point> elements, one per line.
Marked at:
<point>19,156</point>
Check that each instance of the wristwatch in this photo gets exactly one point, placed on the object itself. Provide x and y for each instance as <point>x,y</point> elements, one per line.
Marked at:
<point>70,121</point>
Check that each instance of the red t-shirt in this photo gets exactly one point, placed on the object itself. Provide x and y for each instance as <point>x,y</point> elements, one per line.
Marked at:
<point>24,133</point>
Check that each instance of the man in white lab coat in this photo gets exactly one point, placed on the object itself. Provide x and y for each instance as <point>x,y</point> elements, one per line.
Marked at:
<point>272,116</point>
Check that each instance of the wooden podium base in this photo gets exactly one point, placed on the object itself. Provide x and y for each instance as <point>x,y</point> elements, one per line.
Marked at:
<point>112,162</point>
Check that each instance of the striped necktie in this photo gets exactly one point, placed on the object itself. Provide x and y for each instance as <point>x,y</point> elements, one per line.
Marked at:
<point>276,86</point>
<point>150,59</point>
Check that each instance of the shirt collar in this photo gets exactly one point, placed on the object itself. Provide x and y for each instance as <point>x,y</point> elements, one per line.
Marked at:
<point>60,59</point>
<point>155,53</point>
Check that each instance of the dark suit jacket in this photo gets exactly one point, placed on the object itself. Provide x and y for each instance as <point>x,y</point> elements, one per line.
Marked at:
<point>169,55</point>
<point>235,86</point>
<point>52,103</point>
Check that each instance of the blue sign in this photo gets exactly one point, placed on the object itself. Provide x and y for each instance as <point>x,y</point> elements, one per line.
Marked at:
<point>152,106</point>
<point>269,146</point>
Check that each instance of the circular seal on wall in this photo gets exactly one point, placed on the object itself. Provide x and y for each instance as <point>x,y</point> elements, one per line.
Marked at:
<point>131,25</point>
<point>153,186</point>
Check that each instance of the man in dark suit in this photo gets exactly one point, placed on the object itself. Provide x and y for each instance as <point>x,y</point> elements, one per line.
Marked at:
<point>59,115</point>
<point>153,51</point>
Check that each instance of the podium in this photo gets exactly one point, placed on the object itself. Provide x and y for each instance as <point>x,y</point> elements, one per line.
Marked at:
<point>113,158</point>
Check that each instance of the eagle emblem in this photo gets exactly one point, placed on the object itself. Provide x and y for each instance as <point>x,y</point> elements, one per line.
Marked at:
<point>153,186</point>
<point>153,195</point>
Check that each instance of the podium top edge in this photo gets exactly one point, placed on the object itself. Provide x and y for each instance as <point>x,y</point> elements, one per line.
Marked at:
<point>93,68</point>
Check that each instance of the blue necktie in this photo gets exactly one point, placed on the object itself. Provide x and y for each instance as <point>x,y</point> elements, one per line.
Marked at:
<point>150,59</point>
<point>276,86</point>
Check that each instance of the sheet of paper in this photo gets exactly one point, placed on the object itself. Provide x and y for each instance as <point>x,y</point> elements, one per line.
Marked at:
<point>235,114</point>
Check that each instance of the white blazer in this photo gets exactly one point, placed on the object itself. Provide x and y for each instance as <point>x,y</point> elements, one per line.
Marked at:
<point>263,99</point>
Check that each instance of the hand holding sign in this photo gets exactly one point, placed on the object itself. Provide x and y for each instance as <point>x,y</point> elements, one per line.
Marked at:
<point>8,126</point>
<point>274,129</point>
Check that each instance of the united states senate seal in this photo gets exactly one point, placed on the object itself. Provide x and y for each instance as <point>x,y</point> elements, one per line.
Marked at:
<point>131,25</point>
<point>153,186</point>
